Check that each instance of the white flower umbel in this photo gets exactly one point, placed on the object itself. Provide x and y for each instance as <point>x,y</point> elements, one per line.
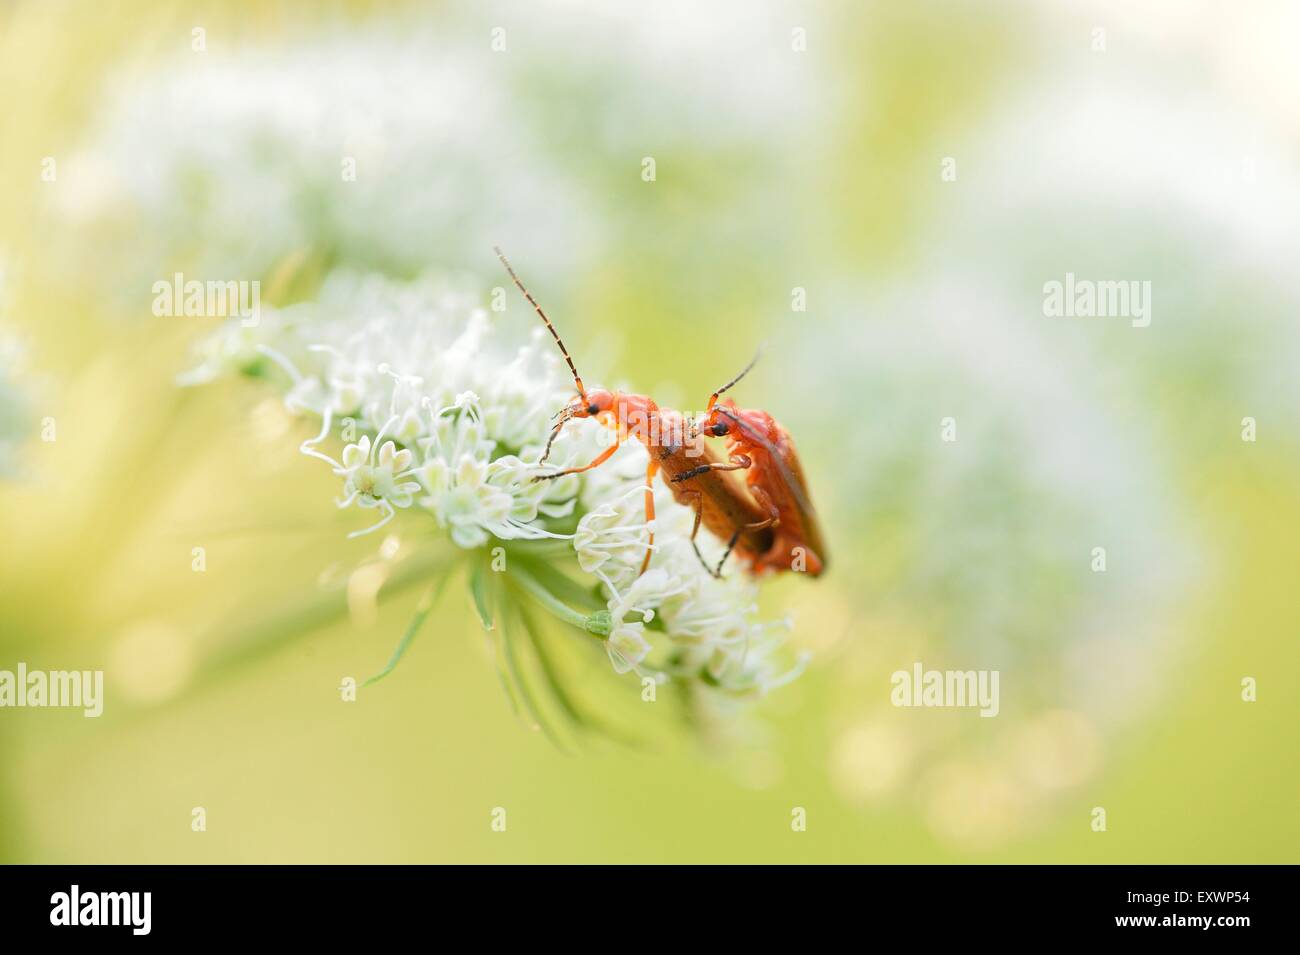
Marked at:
<point>395,142</point>
<point>434,410</point>
<point>714,634</point>
<point>437,404</point>
<point>374,148</point>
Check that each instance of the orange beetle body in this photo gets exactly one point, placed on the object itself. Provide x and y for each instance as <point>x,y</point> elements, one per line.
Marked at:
<point>719,501</point>
<point>774,477</point>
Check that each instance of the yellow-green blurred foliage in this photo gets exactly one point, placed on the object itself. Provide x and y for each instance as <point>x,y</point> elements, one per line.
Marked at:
<point>223,685</point>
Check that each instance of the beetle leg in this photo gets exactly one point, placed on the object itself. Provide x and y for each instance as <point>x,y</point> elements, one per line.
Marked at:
<point>739,462</point>
<point>699,515</point>
<point>764,500</point>
<point>774,518</point>
<point>725,554</point>
<point>555,433</point>
<point>601,459</point>
<point>650,473</point>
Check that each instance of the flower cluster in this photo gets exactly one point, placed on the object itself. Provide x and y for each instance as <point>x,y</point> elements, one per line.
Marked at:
<point>711,621</point>
<point>435,409</point>
<point>332,147</point>
<point>439,412</point>
<point>393,144</point>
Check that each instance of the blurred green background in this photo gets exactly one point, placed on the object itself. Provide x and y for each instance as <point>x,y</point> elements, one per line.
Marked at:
<point>1168,154</point>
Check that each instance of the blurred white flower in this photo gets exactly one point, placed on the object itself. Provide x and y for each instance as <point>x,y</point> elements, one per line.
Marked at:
<point>364,148</point>
<point>393,143</point>
<point>233,348</point>
<point>1202,203</point>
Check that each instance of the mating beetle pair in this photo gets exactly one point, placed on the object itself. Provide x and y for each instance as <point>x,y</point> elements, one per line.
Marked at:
<point>769,523</point>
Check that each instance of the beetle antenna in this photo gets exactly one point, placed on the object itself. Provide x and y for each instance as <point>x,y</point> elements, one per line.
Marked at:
<point>713,399</point>
<point>549,327</point>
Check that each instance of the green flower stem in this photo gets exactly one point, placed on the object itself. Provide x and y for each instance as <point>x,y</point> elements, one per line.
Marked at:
<point>598,623</point>
<point>422,611</point>
<point>534,549</point>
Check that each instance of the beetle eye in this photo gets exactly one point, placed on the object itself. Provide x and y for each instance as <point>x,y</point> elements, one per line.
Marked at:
<point>719,429</point>
<point>593,409</point>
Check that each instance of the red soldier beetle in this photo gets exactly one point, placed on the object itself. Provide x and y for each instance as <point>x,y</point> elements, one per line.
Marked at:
<point>720,503</point>
<point>764,450</point>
